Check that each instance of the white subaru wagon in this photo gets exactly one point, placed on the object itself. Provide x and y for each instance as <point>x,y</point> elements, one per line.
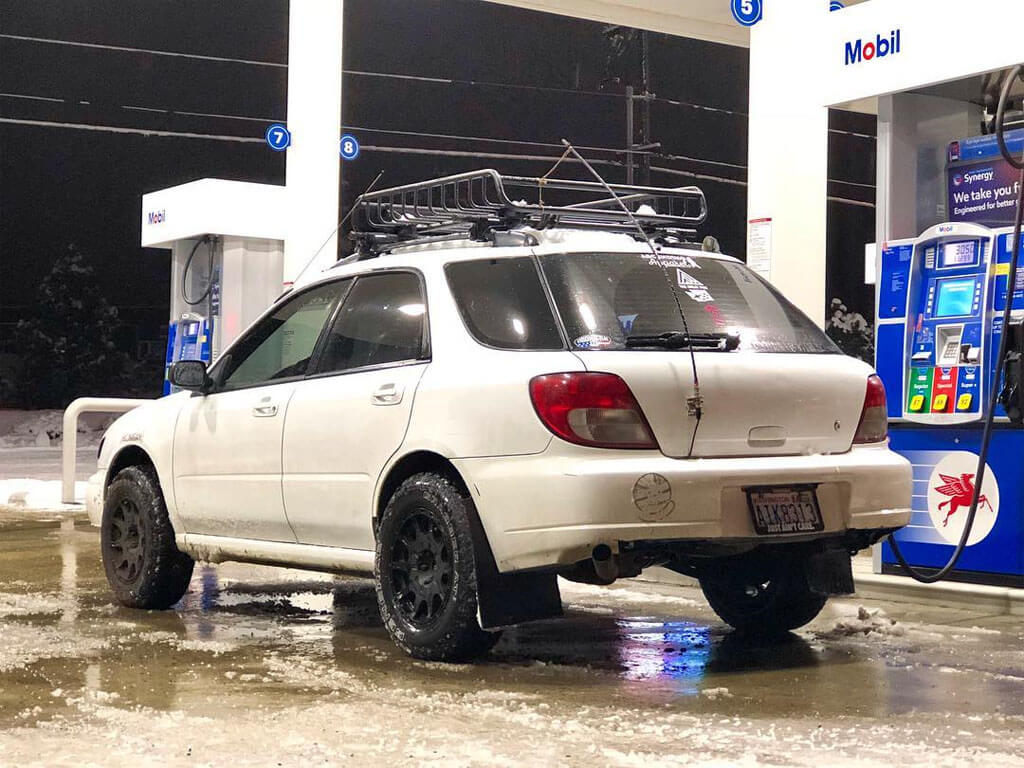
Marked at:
<point>469,422</point>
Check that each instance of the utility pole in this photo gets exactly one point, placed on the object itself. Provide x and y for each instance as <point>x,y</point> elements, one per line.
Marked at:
<point>645,126</point>
<point>630,135</point>
<point>645,145</point>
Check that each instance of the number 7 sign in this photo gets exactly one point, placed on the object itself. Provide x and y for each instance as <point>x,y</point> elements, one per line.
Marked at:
<point>278,137</point>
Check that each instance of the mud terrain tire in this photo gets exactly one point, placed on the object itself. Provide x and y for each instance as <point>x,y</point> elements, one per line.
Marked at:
<point>426,574</point>
<point>766,598</point>
<point>144,567</point>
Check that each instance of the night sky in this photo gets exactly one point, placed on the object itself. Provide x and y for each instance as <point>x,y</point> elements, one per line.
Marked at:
<point>536,78</point>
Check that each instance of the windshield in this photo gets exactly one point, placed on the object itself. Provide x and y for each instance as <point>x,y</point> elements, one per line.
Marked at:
<point>615,300</point>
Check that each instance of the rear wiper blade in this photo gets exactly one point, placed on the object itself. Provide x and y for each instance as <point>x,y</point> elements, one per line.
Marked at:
<point>724,342</point>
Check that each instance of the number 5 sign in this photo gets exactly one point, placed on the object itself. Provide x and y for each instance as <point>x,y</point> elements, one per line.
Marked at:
<point>747,12</point>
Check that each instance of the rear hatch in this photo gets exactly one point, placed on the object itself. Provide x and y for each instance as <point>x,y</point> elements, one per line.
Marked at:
<point>771,382</point>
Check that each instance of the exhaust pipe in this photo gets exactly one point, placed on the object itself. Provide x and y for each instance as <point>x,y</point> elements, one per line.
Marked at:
<point>604,563</point>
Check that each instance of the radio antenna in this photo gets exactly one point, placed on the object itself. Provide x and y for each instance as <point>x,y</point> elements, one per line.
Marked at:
<point>695,404</point>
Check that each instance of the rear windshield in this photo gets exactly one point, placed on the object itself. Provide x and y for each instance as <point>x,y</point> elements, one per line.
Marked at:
<point>604,297</point>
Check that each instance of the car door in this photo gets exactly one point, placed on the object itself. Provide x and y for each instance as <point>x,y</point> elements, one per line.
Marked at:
<point>350,416</point>
<point>227,444</point>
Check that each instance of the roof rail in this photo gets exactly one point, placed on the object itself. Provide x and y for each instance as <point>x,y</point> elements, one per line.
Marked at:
<point>473,205</point>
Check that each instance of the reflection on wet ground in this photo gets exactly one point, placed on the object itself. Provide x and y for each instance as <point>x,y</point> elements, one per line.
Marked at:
<point>250,639</point>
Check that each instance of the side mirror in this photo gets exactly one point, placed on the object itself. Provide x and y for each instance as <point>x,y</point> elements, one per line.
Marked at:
<point>190,374</point>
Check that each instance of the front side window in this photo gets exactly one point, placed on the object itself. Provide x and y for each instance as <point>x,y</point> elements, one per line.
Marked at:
<point>502,303</point>
<point>606,298</point>
<point>281,344</point>
<point>383,321</point>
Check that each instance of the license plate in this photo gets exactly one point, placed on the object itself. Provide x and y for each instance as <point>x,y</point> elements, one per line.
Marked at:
<point>784,510</point>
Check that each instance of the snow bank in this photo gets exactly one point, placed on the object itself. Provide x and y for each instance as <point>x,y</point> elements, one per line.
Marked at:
<point>44,429</point>
<point>716,693</point>
<point>26,493</point>
<point>865,623</point>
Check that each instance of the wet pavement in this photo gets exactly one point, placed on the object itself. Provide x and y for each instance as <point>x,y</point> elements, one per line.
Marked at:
<point>266,666</point>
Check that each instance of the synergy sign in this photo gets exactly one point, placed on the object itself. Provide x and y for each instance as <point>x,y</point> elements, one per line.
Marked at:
<point>866,50</point>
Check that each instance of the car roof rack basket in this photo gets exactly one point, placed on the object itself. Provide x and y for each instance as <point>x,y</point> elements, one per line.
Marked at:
<point>476,204</point>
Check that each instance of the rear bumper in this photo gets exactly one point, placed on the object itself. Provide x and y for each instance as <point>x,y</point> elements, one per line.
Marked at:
<point>553,509</point>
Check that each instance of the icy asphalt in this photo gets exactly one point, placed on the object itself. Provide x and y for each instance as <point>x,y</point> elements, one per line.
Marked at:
<point>264,666</point>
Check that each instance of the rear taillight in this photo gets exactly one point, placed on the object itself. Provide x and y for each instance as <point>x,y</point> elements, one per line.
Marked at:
<point>874,419</point>
<point>595,409</point>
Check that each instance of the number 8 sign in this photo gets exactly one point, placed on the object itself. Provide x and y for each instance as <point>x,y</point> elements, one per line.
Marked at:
<point>278,137</point>
<point>349,147</point>
<point>747,12</point>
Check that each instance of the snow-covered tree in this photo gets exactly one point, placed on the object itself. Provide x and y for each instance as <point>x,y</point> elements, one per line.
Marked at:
<point>67,348</point>
<point>854,335</point>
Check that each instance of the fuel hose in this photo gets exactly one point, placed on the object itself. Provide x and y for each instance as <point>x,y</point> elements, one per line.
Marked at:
<point>188,267</point>
<point>931,577</point>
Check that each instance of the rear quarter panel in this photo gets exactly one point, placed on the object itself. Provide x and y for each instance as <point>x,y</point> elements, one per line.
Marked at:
<point>473,400</point>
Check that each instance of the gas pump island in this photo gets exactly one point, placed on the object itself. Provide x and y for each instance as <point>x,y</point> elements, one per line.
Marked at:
<point>227,260</point>
<point>940,300</point>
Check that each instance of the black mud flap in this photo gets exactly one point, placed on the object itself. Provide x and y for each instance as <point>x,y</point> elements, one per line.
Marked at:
<point>510,598</point>
<point>830,573</point>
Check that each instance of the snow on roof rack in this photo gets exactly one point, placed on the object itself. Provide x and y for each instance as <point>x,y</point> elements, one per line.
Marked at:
<point>475,204</point>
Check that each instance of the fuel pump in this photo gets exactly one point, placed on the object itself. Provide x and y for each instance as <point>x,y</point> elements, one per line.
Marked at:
<point>226,244</point>
<point>949,343</point>
<point>195,302</point>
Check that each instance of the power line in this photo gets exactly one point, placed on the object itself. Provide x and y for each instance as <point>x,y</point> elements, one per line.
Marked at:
<point>364,73</point>
<point>430,135</point>
<point>152,52</point>
<point>417,134</point>
<point>119,129</point>
<point>397,150</point>
<point>399,76</point>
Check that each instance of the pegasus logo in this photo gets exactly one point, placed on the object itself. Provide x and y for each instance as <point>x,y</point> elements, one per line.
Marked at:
<point>960,493</point>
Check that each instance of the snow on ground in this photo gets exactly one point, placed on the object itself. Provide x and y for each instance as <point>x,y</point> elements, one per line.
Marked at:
<point>24,644</point>
<point>44,429</point>
<point>583,594</point>
<point>37,494</point>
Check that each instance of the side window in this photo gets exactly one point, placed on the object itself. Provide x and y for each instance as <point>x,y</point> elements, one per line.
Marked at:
<point>382,321</point>
<point>281,344</point>
<point>503,304</point>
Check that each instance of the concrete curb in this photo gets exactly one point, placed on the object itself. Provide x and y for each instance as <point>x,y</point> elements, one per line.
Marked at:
<point>898,589</point>
<point>903,589</point>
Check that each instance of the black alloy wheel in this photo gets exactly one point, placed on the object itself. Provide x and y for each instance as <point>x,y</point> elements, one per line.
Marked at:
<point>421,570</point>
<point>425,570</point>
<point>144,567</point>
<point>127,541</point>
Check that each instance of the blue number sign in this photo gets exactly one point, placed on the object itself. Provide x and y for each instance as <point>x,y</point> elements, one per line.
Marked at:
<point>747,12</point>
<point>349,147</point>
<point>278,137</point>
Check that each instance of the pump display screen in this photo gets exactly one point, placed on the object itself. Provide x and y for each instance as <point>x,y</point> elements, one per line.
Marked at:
<point>955,297</point>
<point>958,254</point>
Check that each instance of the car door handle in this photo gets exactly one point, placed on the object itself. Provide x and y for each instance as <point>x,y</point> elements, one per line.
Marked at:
<point>265,410</point>
<point>387,394</point>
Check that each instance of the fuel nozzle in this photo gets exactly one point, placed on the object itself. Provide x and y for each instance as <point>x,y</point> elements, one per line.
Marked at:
<point>1012,395</point>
